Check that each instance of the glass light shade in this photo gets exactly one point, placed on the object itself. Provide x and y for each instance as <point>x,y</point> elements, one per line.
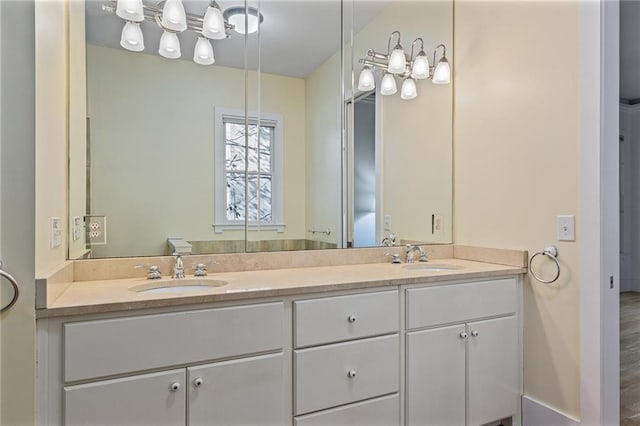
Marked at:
<point>388,85</point>
<point>366,81</point>
<point>442,73</point>
<point>397,61</point>
<point>238,21</point>
<point>203,53</point>
<point>213,24</point>
<point>130,10</point>
<point>132,38</point>
<point>420,67</point>
<point>409,90</point>
<point>173,16</point>
<point>169,45</point>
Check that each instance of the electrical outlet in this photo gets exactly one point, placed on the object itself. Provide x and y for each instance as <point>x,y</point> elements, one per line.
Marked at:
<point>387,222</point>
<point>77,227</point>
<point>55,226</point>
<point>437,224</point>
<point>96,229</point>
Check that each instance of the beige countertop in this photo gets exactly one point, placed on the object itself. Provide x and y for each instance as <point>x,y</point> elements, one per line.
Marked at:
<point>89,297</point>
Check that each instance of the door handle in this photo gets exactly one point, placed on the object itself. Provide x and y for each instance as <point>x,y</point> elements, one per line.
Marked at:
<point>14,284</point>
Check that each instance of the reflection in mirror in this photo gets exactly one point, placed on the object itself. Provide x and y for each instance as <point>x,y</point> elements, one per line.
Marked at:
<point>246,153</point>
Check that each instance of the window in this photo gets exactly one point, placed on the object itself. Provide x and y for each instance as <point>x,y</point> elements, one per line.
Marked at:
<point>260,176</point>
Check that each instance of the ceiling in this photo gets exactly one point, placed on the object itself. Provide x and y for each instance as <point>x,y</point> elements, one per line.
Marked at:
<point>630,50</point>
<point>295,37</point>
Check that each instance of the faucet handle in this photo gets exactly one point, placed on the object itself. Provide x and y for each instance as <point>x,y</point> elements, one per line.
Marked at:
<point>200,269</point>
<point>424,256</point>
<point>395,258</point>
<point>154,271</point>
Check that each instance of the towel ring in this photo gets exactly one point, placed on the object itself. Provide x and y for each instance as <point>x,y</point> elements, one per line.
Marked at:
<point>552,253</point>
<point>14,284</point>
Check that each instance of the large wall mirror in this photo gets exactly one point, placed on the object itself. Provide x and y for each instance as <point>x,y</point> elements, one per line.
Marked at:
<point>266,139</point>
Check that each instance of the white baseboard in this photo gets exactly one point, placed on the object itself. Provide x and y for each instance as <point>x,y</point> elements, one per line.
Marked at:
<point>535,413</point>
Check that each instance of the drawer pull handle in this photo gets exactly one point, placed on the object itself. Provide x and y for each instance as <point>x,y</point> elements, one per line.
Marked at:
<point>351,318</point>
<point>475,333</point>
<point>175,387</point>
<point>463,335</point>
<point>351,374</point>
<point>198,382</point>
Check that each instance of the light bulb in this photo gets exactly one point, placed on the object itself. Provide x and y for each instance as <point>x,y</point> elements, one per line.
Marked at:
<point>442,73</point>
<point>213,24</point>
<point>397,61</point>
<point>366,82</point>
<point>130,10</point>
<point>203,53</point>
<point>409,90</point>
<point>388,85</point>
<point>420,67</point>
<point>169,45</point>
<point>174,17</point>
<point>132,38</point>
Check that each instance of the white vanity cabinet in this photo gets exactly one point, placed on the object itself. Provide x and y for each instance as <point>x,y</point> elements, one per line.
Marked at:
<point>464,370</point>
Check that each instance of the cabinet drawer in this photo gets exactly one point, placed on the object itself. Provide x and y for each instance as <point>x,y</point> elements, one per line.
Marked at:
<point>334,319</point>
<point>146,399</point>
<point>460,302</point>
<point>322,376</point>
<point>383,411</point>
<point>115,346</point>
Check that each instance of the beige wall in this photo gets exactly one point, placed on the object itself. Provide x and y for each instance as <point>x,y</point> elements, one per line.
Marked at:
<point>154,180</point>
<point>516,157</point>
<point>51,130</point>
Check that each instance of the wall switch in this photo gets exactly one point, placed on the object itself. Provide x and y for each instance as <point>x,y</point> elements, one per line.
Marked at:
<point>96,229</point>
<point>55,226</point>
<point>77,227</point>
<point>566,228</point>
<point>437,224</point>
<point>387,222</point>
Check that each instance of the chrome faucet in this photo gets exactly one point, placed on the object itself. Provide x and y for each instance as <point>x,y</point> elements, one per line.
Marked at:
<point>178,267</point>
<point>411,249</point>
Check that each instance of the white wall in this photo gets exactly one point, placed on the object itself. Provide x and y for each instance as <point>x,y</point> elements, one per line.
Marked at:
<point>517,165</point>
<point>152,143</point>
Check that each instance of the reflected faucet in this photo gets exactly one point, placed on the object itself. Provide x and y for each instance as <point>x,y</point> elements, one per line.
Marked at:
<point>178,267</point>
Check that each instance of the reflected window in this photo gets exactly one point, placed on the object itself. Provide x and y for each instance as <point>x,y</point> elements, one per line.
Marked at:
<point>248,170</point>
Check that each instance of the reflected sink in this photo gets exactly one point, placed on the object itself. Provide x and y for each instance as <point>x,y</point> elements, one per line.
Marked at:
<point>434,267</point>
<point>178,286</point>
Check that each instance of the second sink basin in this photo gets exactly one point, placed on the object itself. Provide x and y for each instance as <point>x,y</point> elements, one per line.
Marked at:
<point>178,286</point>
<point>434,267</point>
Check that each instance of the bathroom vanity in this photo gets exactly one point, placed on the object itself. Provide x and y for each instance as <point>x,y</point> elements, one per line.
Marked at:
<point>367,344</point>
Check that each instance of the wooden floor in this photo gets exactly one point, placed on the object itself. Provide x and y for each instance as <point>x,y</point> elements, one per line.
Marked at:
<point>630,359</point>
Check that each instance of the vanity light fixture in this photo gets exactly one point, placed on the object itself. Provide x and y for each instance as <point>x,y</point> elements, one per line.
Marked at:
<point>410,68</point>
<point>172,19</point>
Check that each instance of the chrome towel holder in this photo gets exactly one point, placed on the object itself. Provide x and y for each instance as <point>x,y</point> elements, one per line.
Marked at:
<point>14,284</point>
<point>552,253</point>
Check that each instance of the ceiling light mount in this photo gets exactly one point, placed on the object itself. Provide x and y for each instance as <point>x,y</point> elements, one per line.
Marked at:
<point>244,20</point>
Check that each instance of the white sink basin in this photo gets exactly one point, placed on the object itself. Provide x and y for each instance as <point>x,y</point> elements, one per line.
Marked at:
<point>178,286</point>
<point>434,267</point>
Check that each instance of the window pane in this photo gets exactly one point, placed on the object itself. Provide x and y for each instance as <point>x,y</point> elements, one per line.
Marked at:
<point>266,138</point>
<point>234,134</point>
<point>253,148</point>
<point>235,196</point>
<point>260,201</point>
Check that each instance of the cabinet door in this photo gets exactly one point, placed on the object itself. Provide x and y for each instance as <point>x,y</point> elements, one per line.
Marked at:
<point>156,399</point>
<point>248,391</point>
<point>493,370</point>
<point>435,377</point>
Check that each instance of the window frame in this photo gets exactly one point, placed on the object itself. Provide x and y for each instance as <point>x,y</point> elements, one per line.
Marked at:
<point>221,223</point>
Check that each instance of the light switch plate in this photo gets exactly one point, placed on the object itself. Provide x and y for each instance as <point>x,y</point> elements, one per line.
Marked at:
<point>55,225</point>
<point>566,228</point>
<point>77,227</point>
<point>387,222</point>
<point>436,224</point>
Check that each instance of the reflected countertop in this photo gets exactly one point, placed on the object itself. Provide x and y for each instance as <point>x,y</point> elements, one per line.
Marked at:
<point>89,297</point>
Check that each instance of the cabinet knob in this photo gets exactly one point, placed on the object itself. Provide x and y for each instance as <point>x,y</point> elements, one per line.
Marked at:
<point>351,374</point>
<point>198,382</point>
<point>463,334</point>
<point>351,318</point>
<point>175,387</point>
<point>475,333</point>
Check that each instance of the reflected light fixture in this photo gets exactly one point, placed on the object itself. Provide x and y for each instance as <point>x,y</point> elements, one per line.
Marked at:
<point>413,68</point>
<point>366,81</point>
<point>239,16</point>
<point>171,17</point>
